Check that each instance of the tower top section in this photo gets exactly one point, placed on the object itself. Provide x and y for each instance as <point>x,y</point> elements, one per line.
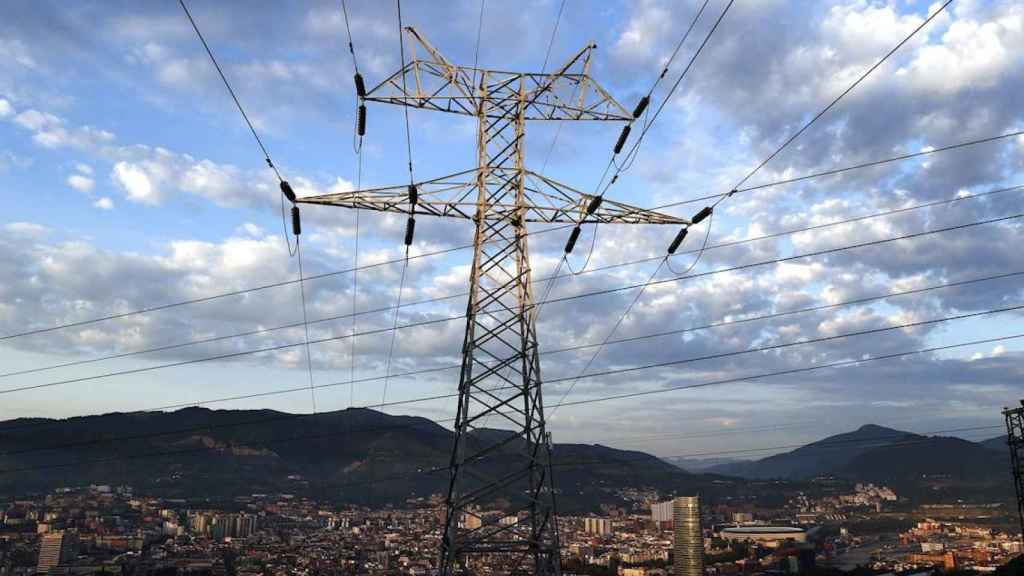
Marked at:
<point>430,82</point>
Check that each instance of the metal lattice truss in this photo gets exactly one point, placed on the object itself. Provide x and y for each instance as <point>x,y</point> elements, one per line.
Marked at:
<point>433,83</point>
<point>1015,440</point>
<point>455,196</point>
<point>502,452</point>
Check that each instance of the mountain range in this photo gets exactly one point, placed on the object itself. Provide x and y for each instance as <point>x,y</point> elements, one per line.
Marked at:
<point>884,455</point>
<point>354,455</point>
<point>364,456</point>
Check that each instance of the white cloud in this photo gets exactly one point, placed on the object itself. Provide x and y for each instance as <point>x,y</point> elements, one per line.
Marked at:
<point>84,169</point>
<point>50,131</point>
<point>648,26</point>
<point>971,54</point>
<point>81,183</point>
<point>104,203</point>
<point>251,229</point>
<point>136,183</point>
<point>36,121</point>
<point>5,108</point>
<point>29,229</point>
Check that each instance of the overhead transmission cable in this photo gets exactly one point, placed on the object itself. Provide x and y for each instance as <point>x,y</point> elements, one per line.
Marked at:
<point>543,69</point>
<point>358,134</point>
<point>286,192</point>
<point>554,276</point>
<point>678,331</point>
<point>642,105</point>
<point>590,400</point>
<point>211,297</point>
<point>650,283</point>
<point>708,211</point>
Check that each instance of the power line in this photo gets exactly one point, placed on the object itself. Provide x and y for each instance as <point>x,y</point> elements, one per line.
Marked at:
<point>835,171</point>
<point>825,110</point>
<point>405,109</point>
<point>840,364</point>
<point>224,79</point>
<point>623,340</point>
<point>709,210</point>
<point>555,276</point>
<point>608,337</point>
<point>709,357</point>
<point>348,32</point>
<point>479,30</point>
<point>642,106</point>
<point>561,299</point>
<point>468,246</point>
<point>149,309</point>
<point>305,326</point>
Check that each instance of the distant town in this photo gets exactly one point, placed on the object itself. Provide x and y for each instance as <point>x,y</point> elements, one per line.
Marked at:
<point>102,530</point>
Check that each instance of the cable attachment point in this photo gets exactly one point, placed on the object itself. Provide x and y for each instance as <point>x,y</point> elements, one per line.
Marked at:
<point>410,229</point>
<point>700,216</point>
<point>572,240</point>
<point>731,192</point>
<point>360,86</point>
<point>286,189</point>
<point>361,121</point>
<point>622,139</point>
<point>641,106</point>
<point>414,195</point>
<point>595,203</point>
<point>678,240</point>
<point>296,221</point>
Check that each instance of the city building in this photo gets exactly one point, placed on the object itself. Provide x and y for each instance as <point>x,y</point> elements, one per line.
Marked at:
<point>769,536</point>
<point>661,513</point>
<point>57,548</point>
<point>688,544</point>
<point>599,526</point>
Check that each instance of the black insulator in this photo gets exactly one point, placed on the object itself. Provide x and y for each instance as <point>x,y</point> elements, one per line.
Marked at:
<point>641,106</point>
<point>699,216</point>
<point>677,240</point>
<point>286,189</point>
<point>622,139</point>
<point>410,229</point>
<point>296,222</point>
<point>572,240</point>
<point>360,87</point>
<point>414,195</point>
<point>361,123</point>
<point>595,203</point>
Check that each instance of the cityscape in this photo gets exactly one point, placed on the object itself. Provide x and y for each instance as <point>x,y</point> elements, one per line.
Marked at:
<point>113,530</point>
<point>532,288</point>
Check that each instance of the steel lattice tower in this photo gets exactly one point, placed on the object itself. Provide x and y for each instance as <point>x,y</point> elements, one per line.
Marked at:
<point>1015,439</point>
<point>500,373</point>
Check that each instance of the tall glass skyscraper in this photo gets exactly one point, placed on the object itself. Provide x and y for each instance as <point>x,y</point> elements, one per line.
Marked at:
<point>688,545</point>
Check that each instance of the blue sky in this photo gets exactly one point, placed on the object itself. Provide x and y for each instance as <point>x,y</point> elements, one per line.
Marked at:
<point>132,181</point>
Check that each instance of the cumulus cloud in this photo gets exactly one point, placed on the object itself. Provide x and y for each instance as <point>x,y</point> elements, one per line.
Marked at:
<point>104,203</point>
<point>136,182</point>
<point>81,183</point>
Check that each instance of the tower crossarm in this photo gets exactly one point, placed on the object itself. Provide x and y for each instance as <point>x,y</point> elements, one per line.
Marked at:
<point>455,196</point>
<point>434,83</point>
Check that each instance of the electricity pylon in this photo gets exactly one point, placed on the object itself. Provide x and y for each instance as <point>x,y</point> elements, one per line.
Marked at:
<point>1015,442</point>
<point>500,373</point>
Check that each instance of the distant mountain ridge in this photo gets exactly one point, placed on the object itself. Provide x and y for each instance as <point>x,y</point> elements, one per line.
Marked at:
<point>878,454</point>
<point>821,457</point>
<point>357,455</point>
